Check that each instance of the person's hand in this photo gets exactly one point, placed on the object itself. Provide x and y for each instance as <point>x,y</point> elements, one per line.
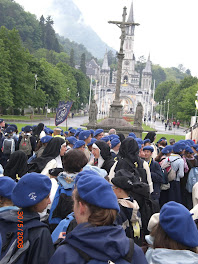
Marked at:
<point>62,235</point>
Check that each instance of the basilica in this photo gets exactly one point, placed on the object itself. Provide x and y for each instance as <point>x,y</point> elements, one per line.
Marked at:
<point>131,90</point>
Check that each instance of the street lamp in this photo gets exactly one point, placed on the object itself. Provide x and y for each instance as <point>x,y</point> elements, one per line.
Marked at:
<point>196,103</point>
<point>168,109</point>
<point>161,111</point>
<point>164,107</point>
<point>36,79</point>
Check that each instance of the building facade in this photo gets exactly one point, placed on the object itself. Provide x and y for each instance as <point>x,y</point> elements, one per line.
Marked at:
<point>135,87</point>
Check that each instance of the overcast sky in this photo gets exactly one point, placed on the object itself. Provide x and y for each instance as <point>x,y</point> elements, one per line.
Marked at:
<point>168,28</point>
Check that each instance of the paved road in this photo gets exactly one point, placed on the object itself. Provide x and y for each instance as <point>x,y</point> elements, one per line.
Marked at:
<point>74,122</point>
<point>78,121</point>
<point>161,129</point>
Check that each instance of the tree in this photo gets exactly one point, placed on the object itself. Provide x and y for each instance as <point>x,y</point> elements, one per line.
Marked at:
<point>82,63</point>
<point>159,74</point>
<point>5,85</point>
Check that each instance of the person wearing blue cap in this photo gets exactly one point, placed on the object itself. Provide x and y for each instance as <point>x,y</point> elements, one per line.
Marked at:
<point>71,141</point>
<point>95,237</point>
<point>190,175</point>
<point>6,187</point>
<point>98,134</point>
<point>176,172</point>
<point>80,145</point>
<point>31,194</point>
<point>147,142</point>
<point>8,145</point>
<point>115,146</point>
<point>89,146</point>
<point>27,142</point>
<point>107,140</point>
<point>72,132</point>
<point>73,162</point>
<point>113,136</point>
<point>174,239</point>
<point>133,135</point>
<point>156,173</point>
<point>86,136</point>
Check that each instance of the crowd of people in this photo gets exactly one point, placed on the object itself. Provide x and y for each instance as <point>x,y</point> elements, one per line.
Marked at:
<point>85,196</point>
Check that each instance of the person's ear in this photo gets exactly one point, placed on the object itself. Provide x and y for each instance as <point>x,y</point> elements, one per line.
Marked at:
<point>83,208</point>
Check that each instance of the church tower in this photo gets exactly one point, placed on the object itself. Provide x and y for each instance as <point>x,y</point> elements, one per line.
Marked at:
<point>128,65</point>
<point>105,72</point>
<point>147,76</point>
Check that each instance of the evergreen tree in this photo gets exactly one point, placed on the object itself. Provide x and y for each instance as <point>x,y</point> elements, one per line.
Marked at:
<point>82,63</point>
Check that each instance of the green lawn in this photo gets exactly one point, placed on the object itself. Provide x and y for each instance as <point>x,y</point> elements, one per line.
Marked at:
<point>168,137</point>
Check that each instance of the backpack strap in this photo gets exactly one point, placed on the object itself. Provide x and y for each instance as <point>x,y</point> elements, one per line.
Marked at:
<point>129,255</point>
<point>87,258</point>
<point>11,257</point>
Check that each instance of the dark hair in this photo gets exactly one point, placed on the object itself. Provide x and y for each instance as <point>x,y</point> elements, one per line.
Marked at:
<point>159,156</point>
<point>162,240</point>
<point>74,160</point>
<point>98,216</point>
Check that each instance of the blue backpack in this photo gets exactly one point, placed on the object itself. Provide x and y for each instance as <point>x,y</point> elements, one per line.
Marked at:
<point>62,226</point>
<point>11,251</point>
<point>61,206</point>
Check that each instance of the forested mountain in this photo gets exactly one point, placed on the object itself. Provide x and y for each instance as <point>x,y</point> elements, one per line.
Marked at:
<point>71,25</point>
<point>37,34</point>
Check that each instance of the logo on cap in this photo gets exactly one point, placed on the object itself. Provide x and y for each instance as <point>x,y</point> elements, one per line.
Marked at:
<point>32,196</point>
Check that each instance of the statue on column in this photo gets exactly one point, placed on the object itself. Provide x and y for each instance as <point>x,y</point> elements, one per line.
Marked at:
<point>93,112</point>
<point>138,115</point>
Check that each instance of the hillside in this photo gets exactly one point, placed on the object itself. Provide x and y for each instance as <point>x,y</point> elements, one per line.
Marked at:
<point>74,27</point>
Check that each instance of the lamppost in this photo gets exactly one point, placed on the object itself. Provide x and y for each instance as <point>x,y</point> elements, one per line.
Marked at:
<point>164,107</point>
<point>90,92</point>
<point>36,79</point>
<point>168,108</point>
<point>96,88</point>
<point>161,111</point>
<point>196,103</point>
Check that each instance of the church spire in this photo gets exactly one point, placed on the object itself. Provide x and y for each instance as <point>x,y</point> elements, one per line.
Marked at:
<point>105,65</point>
<point>148,66</point>
<point>130,30</point>
<point>131,18</point>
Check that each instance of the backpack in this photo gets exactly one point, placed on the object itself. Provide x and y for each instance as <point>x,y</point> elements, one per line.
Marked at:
<point>8,146</point>
<point>192,179</point>
<point>126,259</point>
<point>25,145</point>
<point>62,226</point>
<point>62,206</point>
<point>148,207</point>
<point>166,164</point>
<point>138,169</point>
<point>11,251</point>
